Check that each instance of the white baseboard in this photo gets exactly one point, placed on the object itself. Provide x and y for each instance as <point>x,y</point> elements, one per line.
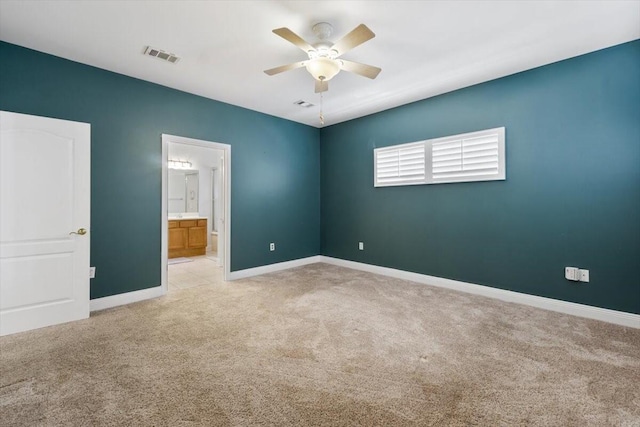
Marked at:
<point>249,272</point>
<point>581,310</point>
<point>612,316</point>
<point>126,298</point>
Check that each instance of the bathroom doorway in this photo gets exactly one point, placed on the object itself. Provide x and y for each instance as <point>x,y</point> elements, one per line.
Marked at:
<point>196,206</point>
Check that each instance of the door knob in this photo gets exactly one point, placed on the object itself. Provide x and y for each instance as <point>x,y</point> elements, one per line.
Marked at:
<point>81,231</point>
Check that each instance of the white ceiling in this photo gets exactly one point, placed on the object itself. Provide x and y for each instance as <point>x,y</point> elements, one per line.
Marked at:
<point>424,48</point>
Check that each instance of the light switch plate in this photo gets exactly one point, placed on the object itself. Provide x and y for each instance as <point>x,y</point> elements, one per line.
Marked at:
<point>92,272</point>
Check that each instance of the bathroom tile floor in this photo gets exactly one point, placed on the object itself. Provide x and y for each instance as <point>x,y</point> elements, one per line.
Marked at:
<point>203,270</point>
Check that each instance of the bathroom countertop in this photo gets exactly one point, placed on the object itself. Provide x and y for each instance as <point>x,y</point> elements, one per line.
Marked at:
<point>186,218</point>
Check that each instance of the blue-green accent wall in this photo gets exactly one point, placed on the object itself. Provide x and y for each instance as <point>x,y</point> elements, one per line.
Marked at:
<point>571,197</point>
<point>275,194</point>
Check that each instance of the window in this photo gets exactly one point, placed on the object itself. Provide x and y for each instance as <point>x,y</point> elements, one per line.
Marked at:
<point>400,164</point>
<point>475,156</point>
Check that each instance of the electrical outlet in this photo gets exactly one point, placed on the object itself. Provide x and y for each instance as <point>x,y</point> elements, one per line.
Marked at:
<point>272,247</point>
<point>361,246</point>
<point>576,274</point>
<point>572,273</point>
<point>584,276</point>
<point>92,272</point>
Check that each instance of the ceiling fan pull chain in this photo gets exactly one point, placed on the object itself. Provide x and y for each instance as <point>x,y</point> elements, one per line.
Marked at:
<point>321,115</point>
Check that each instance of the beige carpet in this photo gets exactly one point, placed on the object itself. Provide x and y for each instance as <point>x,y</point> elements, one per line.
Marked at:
<point>322,345</point>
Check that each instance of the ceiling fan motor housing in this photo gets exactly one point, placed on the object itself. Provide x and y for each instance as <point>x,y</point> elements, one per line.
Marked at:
<point>322,30</point>
<point>323,50</point>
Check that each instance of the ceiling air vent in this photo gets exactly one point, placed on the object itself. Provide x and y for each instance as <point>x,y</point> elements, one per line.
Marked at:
<point>303,104</point>
<point>161,54</point>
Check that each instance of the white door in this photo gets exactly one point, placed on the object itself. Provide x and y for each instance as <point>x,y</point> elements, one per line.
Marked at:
<point>44,199</point>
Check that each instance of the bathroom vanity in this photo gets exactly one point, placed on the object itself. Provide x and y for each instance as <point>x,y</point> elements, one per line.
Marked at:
<point>187,237</point>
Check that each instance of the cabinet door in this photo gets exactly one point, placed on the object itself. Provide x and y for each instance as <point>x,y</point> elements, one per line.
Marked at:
<point>197,237</point>
<point>178,238</point>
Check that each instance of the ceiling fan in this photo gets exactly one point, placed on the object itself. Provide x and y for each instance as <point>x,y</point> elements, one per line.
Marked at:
<point>324,63</point>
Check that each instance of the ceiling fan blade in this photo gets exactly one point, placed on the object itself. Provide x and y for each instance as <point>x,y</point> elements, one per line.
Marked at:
<point>361,69</point>
<point>322,86</point>
<point>356,37</point>
<point>283,68</point>
<point>292,37</point>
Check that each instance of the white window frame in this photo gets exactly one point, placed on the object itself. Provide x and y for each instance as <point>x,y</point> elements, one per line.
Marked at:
<point>428,144</point>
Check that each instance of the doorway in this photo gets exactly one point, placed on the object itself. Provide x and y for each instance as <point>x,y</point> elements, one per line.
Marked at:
<point>196,212</point>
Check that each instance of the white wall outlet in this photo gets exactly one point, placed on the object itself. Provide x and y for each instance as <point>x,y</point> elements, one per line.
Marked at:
<point>361,246</point>
<point>584,275</point>
<point>572,273</point>
<point>272,247</point>
<point>92,272</point>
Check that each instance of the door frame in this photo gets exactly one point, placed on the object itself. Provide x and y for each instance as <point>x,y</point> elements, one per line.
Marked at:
<point>164,253</point>
<point>213,208</point>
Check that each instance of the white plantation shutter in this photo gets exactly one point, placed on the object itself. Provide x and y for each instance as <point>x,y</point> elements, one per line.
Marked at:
<point>466,159</point>
<point>400,165</point>
<point>475,156</point>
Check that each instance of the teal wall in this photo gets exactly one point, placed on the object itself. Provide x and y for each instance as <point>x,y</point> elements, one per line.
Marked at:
<point>275,164</point>
<point>572,194</point>
<point>571,198</point>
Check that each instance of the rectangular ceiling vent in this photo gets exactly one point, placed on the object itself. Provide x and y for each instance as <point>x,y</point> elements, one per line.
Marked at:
<point>161,54</point>
<point>303,104</point>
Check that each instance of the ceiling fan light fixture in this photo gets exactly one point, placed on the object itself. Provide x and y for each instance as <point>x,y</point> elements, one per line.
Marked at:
<point>324,57</point>
<point>323,69</point>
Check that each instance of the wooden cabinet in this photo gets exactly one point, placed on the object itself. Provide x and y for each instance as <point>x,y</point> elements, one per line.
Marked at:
<point>177,238</point>
<point>187,237</point>
<point>197,237</point>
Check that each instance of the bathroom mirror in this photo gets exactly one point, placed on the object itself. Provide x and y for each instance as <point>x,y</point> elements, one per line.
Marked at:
<point>183,191</point>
